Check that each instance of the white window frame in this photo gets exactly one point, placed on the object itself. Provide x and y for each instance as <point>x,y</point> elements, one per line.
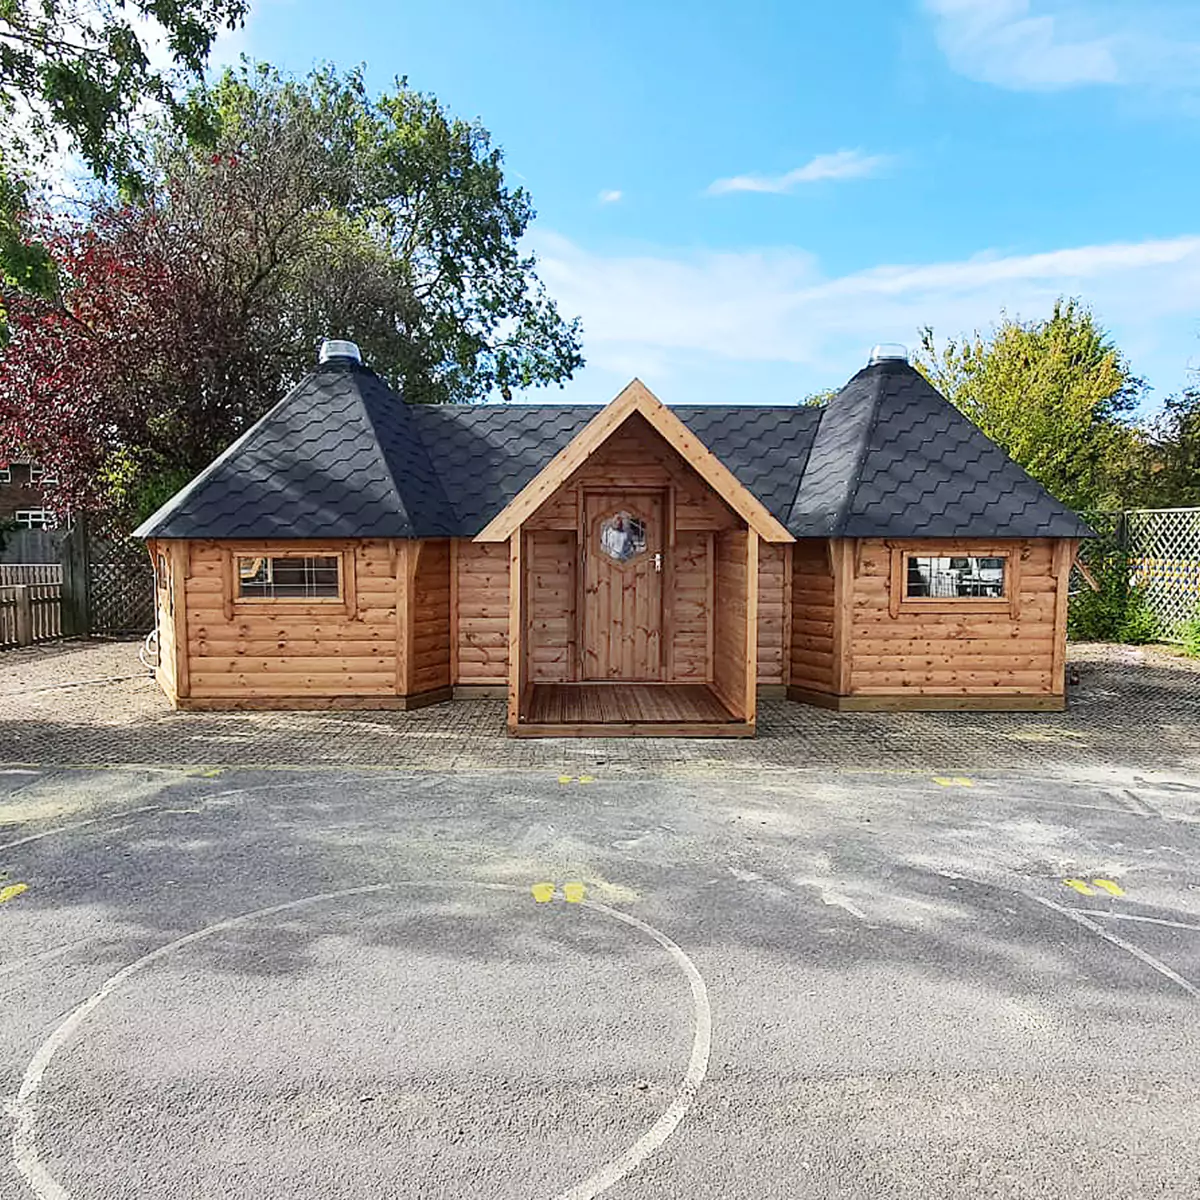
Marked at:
<point>34,518</point>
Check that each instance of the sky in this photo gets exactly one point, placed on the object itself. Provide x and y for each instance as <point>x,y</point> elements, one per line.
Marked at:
<point>740,198</point>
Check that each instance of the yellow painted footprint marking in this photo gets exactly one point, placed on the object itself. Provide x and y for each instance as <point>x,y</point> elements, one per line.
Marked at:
<point>953,781</point>
<point>1081,887</point>
<point>577,779</point>
<point>587,779</point>
<point>574,892</point>
<point>1113,889</point>
<point>12,891</point>
<point>566,779</point>
<point>543,893</point>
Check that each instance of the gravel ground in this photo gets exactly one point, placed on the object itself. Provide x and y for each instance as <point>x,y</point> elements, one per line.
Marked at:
<point>91,703</point>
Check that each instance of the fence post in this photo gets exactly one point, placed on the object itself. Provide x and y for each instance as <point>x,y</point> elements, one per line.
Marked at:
<point>76,599</point>
<point>24,615</point>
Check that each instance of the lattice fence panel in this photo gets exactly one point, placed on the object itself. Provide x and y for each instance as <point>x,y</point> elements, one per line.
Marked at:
<point>120,587</point>
<point>1164,559</point>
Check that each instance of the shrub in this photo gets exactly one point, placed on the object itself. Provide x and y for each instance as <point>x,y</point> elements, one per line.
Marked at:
<point>1190,635</point>
<point>1108,614</point>
<point>1139,626</point>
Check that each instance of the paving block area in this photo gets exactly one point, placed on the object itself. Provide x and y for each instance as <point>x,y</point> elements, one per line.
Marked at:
<point>92,703</point>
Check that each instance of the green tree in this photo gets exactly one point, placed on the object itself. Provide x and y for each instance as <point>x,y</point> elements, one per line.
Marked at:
<point>382,219</point>
<point>818,399</point>
<point>78,75</point>
<point>1168,471</point>
<point>1056,394</point>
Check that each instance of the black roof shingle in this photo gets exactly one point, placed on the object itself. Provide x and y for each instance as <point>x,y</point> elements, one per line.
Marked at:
<point>343,456</point>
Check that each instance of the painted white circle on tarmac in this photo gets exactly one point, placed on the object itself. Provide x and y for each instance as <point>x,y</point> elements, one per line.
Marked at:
<point>27,1156</point>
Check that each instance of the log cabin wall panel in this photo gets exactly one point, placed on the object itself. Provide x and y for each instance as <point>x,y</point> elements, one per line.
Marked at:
<point>431,617</point>
<point>551,584</point>
<point>634,457</point>
<point>812,617</point>
<point>482,615</point>
<point>771,558</point>
<point>287,649</point>
<point>690,652</point>
<point>729,643</point>
<point>947,652</point>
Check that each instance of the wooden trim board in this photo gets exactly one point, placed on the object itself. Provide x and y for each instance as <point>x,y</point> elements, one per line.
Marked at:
<point>1041,702</point>
<point>724,729</point>
<point>635,398</point>
<point>301,703</point>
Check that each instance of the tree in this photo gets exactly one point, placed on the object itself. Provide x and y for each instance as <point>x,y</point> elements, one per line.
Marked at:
<point>177,320</point>
<point>1056,394</point>
<point>129,373</point>
<point>818,399</point>
<point>1169,467</point>
<point>86,70</point>
<point>384,219</point>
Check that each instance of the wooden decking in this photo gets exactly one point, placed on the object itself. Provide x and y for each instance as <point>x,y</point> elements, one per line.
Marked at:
<point>628,709</point>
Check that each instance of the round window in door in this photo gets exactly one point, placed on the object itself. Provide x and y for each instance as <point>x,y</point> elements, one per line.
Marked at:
<point>622,537</point>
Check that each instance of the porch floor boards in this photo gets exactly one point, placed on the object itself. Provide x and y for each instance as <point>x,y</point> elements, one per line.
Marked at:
<point>626,704</point>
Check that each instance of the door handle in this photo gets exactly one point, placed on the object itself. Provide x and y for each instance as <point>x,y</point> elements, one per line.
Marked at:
<point>658,560</point>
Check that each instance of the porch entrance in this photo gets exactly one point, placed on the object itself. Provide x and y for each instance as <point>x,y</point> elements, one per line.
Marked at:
<point>622,610</point>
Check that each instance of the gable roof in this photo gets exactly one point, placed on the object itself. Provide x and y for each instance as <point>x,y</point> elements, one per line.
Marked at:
<point>635,400</point>
<point>342,456</point>
<point>894,458</point>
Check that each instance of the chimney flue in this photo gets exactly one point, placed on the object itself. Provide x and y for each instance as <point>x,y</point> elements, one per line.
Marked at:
<point>888,352</point>
<point>333,348</point>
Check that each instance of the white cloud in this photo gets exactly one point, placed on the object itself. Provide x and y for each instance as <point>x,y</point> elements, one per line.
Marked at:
<point>688,315</point>
<point>610,196</point>
<point>1066,43</point>
<point>845,164</point>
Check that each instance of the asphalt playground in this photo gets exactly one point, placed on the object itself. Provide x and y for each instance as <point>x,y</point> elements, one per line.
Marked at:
<point>351,983</point>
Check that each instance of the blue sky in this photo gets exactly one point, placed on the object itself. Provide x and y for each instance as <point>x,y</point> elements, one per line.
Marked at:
<point>739,199</point>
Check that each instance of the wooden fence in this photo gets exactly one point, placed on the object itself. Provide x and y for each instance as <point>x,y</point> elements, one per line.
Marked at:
<point>30,612</point>
<point>13,573</point>
<point>73,584</point>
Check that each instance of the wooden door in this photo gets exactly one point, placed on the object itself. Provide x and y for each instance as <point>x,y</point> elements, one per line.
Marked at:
<point>623,596</point>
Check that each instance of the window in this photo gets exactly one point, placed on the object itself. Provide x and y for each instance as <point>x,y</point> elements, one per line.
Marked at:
<point>290,577</point>
<point>34,518</point>
<point>970,577</point>
<point>622,537</point>
<point>5,473</point>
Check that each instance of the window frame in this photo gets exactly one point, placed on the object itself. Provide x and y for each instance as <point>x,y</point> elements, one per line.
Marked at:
<point>6,473</point>
<point>899,601</point>
<point>345,602</point>
<point>44,518</point>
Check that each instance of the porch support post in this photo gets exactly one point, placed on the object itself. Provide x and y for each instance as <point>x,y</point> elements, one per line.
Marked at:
<point>751,702</point>
<point>517,672</point>
<point>841,555</point>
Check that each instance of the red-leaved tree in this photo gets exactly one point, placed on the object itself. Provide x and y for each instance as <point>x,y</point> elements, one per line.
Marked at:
<point>133,374</point>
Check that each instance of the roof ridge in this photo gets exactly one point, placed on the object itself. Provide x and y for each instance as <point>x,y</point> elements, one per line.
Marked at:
<point>387,466</point>
<point>855,477</point>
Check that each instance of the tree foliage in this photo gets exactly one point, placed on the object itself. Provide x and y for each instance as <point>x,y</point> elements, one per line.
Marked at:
<point>385,219</point>
<point>87,69</point>
<point>175,321</point>
<point>1167,468</point>
<point>1056,394</point>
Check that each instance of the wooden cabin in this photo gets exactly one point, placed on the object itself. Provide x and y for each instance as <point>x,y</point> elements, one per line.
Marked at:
<point>631,569</point>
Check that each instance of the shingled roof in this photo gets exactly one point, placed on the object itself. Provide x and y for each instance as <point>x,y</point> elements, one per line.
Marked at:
<point>894,458</point>
<point>343,456</point>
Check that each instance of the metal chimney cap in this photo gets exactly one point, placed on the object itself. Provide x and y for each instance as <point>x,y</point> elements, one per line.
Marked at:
<point>888,352</point>
<point>334,348</point>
